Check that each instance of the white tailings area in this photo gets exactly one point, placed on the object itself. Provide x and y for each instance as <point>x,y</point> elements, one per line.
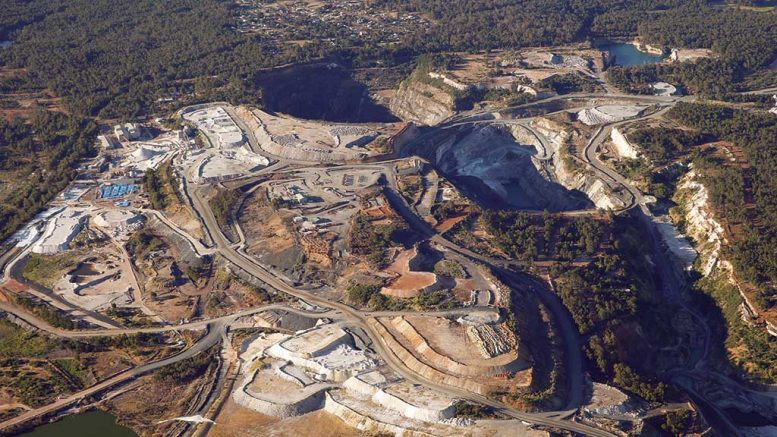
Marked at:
<point>418,403</point>
<point>608,114</point>
<point>217,125</point>
<point>299,140</point>
<point>663,89</point>
<point>309,399</point>
<point>370,401</point>
<point>273,387</point>
<point>677,243</point>
<point>622,145</point>
<point>448,81</point>
<point>324,350</point>
<point>119,223</point>
<point>345,411</point>
<point>228,164</point>
<point>608,400</point>
<point>191,419</point>
<point>147,156</point>
<point>60,231</point>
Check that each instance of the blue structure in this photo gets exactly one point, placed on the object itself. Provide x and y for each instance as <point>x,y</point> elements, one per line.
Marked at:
<point>116,191</point>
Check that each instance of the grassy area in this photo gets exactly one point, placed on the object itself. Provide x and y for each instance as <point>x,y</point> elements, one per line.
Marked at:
<point>162,187</point>
<point>371,241</point>
<point>749,348</point>
<point>186,370</point>
<point>145,242</point>
<point>222,204</point>
<point>450,268</point>
<point>50,314</point>
<point>24,372</point>
<point>74,368</point>
<point>16,342</point>
<point>410,187</point>
<point>48,269</point>
<point>369,296</point>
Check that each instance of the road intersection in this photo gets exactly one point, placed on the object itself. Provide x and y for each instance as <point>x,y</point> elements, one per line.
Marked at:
<point>219,244</point>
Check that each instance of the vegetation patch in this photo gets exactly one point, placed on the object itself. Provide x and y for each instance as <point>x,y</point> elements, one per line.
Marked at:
<point>162,187</point>
<point>48,269</point>
<point>569,83</point>
<point>223,204</point>
<point>450,268</point>
<point>54,316</point>
<point>753,229</point>
<point>748,348</point>
<point>184,371</point>
<point>530,237</point>
<point>16,342</point>
<point>371,240</point>
<point>42,156</point>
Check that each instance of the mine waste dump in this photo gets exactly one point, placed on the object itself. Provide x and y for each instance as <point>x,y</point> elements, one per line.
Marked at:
<point>492,165</point>
<point>321,92</point>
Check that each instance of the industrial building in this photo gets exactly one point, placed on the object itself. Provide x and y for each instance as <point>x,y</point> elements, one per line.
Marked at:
<point>127,131</point>
<point>113,191</point>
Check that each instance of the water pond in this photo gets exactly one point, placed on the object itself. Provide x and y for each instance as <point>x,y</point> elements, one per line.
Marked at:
<point>88,424</point>
<point>627,55</point>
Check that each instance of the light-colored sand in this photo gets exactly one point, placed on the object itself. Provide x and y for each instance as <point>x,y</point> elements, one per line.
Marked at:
<point>236,421</point>
<point>408,283</point>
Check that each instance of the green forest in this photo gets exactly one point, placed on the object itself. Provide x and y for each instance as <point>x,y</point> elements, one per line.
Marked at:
<point>46,151</point>
<point>116,58</point>
<point>744,41</point>
<point>730,187</point>
<point>529,237</point>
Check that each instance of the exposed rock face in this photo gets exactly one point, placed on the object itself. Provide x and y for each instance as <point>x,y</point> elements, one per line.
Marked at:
<point>622,145</point>
<point>508,165</point>
<point>578,179</point>
<point>489,162</point>
<point>699,224</point>
<point>271,408</point>
<point>421,103</point>
<point>407,407</point>
<point>709,237</point>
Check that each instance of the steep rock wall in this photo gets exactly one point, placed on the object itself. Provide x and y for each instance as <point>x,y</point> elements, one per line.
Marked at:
<point>381,397</point>
<point>575,176</point>
<point>423,369</point>
<point>709,238</point>
<point>365,423</point>
<point>421,103</point>
<point>491,164</point>
<point>242,396</point>
<point>700,225</point>
<point>622,145</point>
<point>446,363</point>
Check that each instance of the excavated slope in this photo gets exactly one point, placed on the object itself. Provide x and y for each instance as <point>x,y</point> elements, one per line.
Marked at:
<point>493,166</point>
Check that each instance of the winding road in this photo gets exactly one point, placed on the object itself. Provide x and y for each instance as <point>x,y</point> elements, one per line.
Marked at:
<point>216,327</point>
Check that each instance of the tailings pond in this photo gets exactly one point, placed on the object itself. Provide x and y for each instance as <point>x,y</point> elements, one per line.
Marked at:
<point>88,424</point>
<point>627,55</point>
